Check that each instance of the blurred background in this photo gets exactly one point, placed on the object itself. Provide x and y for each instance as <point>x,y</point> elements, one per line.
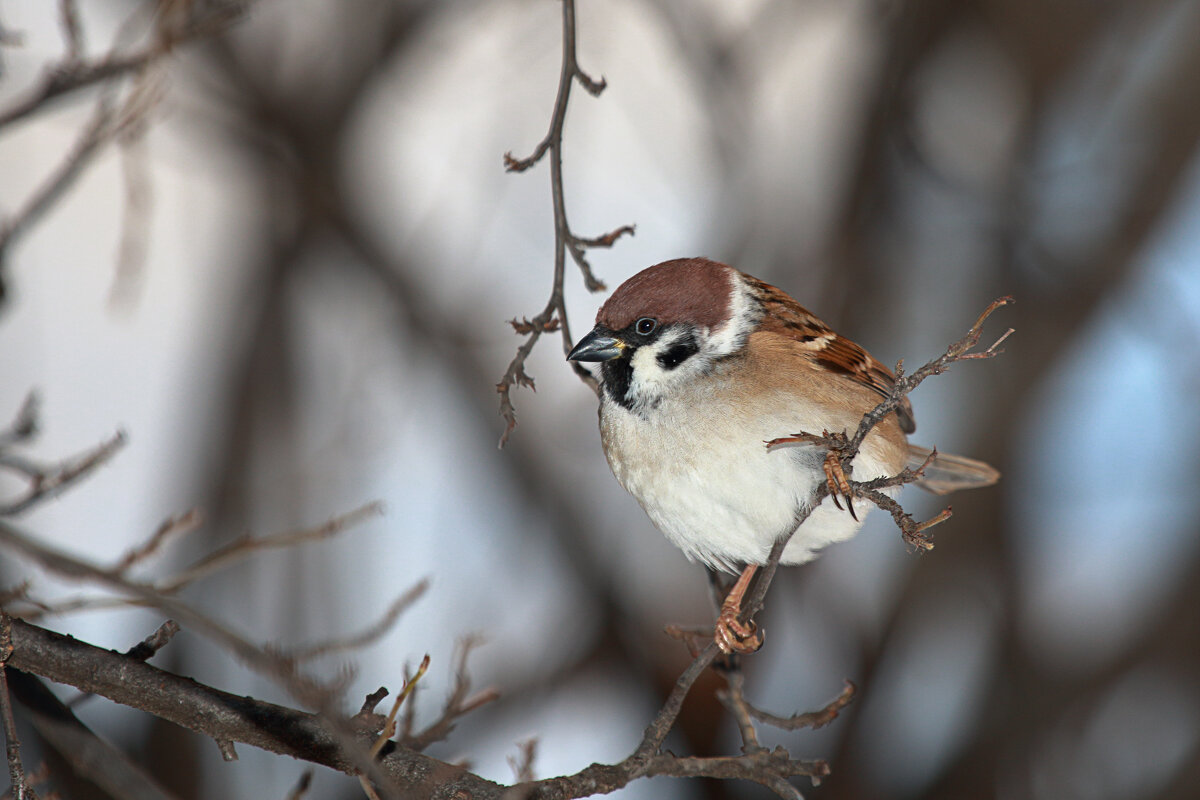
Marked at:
<point>290,288</point>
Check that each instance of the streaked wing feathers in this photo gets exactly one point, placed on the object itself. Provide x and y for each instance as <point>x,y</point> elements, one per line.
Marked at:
<point>830,350</point>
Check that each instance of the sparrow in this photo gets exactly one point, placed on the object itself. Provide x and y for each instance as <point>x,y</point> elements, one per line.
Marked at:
<point>701,366</point>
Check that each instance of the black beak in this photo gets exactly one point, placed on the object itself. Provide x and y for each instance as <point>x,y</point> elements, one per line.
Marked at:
<point>599,345</point>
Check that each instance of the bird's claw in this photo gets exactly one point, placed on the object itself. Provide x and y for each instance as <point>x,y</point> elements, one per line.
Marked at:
<point>734,636</point>
<point>839,485</point>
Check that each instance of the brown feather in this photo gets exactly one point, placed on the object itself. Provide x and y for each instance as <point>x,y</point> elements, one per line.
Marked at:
<point>785,317</point>
<point>693,290</point>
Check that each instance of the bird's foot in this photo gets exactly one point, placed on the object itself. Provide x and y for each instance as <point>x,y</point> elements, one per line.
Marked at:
<point>839,485</point>
<point>835,472</point>
<point>734,636</point>
<point>731,634</point>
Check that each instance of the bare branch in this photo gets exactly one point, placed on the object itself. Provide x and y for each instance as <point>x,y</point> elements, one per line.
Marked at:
<point>522,763</point>
<point>564,239</point>
<point>72,75</point>
<point>302,785</point>
<point>245,546</point>
<point>176,525</point>
<point>371,634</point>
<point>24,426</point>
<point>457,705</point>
<point>227,717</point>
<point>49,480</point>
<point>906,383</point>
<point>68,17</point>
<point>808,719</point>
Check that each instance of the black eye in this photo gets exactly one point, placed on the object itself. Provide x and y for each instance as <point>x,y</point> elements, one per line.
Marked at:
<point>646,326</point>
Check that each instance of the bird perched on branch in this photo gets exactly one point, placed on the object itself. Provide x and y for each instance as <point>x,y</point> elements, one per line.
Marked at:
<point>701,366</point>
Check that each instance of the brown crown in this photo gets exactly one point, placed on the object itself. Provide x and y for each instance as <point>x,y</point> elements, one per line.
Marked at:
<point>692,290</point>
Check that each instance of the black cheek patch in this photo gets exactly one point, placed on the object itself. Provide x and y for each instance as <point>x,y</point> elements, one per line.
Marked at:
<point>678,353</point>
<point>617,373</point>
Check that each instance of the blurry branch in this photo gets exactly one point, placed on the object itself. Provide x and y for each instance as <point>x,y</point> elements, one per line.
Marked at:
<point>72,28</point>
<point>554,316</point>
<point>339,736</point>
<point>45,480</point>
<point>522,763</point>
<point>277,666</point>
<point>48,480</point>
<point>371,634</point>
<point>171,527</point>
<point>97,132</point>
<point>271,665</point>
<point>234,552</point>
<point>302,786</point>
<point>194,19</point>
<point>243,547</point>
<point>176,22</point>
<point>459,702</point>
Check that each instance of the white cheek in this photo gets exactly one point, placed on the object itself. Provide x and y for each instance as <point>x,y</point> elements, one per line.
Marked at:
<point>648,376</point>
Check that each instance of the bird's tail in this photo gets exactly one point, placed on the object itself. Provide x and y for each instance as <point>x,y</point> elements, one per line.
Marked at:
<point>949,473</point>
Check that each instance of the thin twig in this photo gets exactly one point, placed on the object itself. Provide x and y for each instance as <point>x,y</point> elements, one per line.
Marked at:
<point>172,526</point>
<point>365,637</point>
<point>302,786</point>
<point>522,763</point>
<point>906,383</point>
<point>47,481</point>
<point>808,719</point>
<point>274,666</point>
<point>72,75</point>
<point>68,18</point>
<point>245,546</point>
<point>554,315</point>
<point>97,132</point>
<point>457,703</point>
<point>847,447</point>
<point>24,426</point>
<point>389,724</point>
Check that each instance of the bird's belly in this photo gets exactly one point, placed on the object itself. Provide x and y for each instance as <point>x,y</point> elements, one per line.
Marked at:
<point>719,495</point>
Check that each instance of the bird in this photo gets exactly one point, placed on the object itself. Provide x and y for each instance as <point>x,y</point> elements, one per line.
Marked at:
<point>701,367</point>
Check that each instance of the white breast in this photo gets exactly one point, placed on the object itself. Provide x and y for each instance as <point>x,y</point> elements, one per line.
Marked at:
<point>699,466</point>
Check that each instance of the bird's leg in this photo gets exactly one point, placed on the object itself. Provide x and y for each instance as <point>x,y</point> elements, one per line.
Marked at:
<point>731,634</point>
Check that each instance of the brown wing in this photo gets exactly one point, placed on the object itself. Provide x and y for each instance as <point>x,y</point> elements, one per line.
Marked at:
<point>830,350</point>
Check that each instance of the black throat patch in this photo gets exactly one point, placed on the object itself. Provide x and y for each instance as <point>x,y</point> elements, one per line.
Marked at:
<point>615,377</point>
